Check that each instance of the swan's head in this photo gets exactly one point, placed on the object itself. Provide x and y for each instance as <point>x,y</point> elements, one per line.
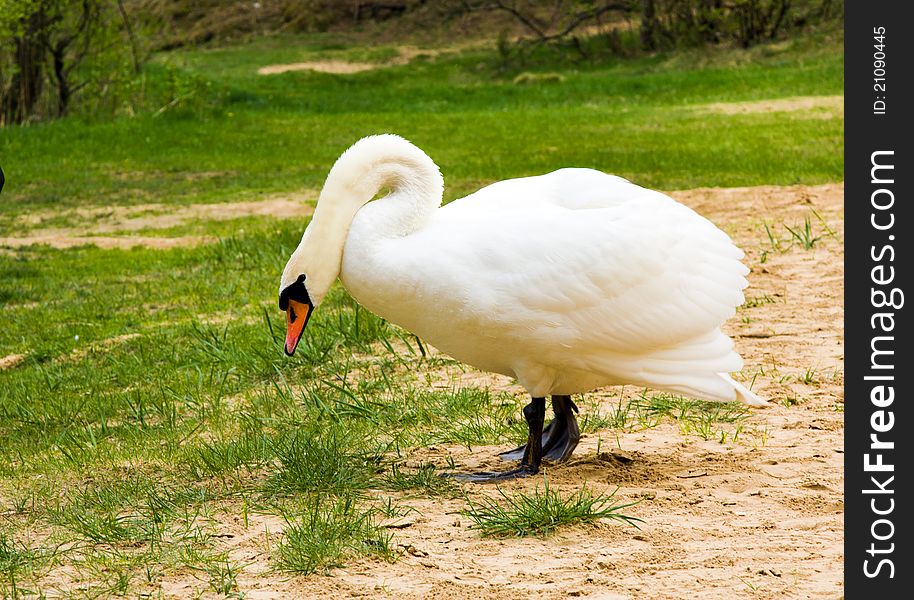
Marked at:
<point>305,281</point>
<point>297,304</point>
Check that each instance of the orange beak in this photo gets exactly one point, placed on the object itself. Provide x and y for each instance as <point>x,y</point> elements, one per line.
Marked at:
<point>297,316</point>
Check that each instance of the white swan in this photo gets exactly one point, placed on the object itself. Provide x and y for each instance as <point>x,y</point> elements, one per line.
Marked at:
<point>567,281</point>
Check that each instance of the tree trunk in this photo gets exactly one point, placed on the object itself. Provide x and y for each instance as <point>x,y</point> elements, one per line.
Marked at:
<point>58,52</point>
<point>648,25</point>
<point>26,86</point>
<point>783,7</point>
<point>27,82</point>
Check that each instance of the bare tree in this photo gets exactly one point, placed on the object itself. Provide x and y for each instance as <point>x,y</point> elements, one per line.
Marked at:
<point>649,25</point>
<point>52,42</point>
<point>555,23</point>
<point>661,23</point>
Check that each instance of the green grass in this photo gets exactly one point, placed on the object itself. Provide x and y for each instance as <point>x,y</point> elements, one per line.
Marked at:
<point>15,557</point>
<point>542,511</point>
<point>756,301</point>
<point>327,533</point>
<point>708,420</point>
<point>222,575</point>
<point>320,459</point>
<point>154,401</point>
<point>803,235</point>
<point>424,480</point>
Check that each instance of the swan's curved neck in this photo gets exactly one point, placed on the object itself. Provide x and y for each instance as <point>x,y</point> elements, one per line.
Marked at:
<point>369,166</point>
<point>415,191</point>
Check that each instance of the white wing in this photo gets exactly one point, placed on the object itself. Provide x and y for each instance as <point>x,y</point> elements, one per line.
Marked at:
<point>583,271</point>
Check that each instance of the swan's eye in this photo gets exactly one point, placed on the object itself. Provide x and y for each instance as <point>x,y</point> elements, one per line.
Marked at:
<point>295,291</point>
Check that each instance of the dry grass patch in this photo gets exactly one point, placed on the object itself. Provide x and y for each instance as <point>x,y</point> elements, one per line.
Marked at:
<point>825,107</point>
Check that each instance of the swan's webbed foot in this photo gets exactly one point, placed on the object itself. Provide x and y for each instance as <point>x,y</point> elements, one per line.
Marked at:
<point>560,437</point>
<point>534,414</point>
<point>496,476</point>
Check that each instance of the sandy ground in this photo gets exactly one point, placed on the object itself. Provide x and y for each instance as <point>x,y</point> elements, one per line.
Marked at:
<point>322,66</point>
<point>760,517</point>
<point>343,67</point>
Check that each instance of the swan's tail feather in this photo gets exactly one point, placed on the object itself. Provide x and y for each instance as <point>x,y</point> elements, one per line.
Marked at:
<point>743,394</point>
<point>698,369</point>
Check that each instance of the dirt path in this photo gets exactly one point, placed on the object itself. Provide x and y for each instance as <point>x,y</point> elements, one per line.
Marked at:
<point>343,67</point>
<point>759,517</point>
<point>102,221</point>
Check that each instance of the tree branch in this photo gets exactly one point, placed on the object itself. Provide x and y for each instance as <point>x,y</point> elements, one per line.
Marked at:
<point>587,16</point>
<point>540,28</point>
<point>130,35</point>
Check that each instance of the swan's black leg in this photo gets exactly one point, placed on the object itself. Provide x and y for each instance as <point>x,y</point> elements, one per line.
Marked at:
<point>518,453</point>
<point>567,435</point>
<point>534,414</point>
<point>560,437</point>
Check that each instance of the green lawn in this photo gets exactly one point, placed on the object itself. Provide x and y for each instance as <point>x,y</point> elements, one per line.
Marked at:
<point>152,387</point>
<point>257,134</point>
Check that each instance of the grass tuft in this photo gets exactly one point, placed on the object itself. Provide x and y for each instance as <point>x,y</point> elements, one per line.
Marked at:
<point>18,564</point>
<point>543,511</point>
<point>223,456</point>
<point>315,461</point>
<point>327,534</point>
<point>803,235</point>
<point>223,576</point>
<point>14,557</point>
<point>425,480</point>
